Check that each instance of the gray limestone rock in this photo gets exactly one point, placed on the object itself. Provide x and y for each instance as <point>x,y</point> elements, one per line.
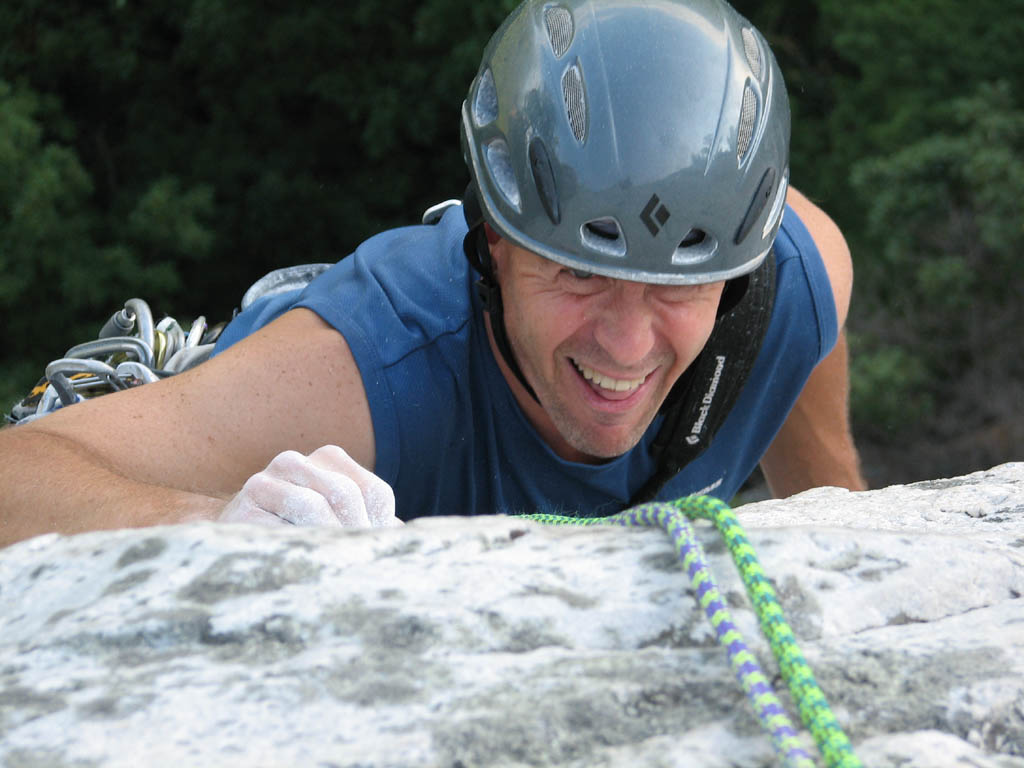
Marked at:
<point>463,642</point>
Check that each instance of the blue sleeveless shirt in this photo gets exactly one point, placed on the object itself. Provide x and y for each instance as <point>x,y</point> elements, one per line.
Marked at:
<point>451,438</point>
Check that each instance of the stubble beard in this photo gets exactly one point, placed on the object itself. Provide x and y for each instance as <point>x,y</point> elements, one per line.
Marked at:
<point>580,436</point>
<point>583,440</point>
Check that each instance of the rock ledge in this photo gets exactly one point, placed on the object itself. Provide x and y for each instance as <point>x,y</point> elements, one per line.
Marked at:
<point>463,642</point>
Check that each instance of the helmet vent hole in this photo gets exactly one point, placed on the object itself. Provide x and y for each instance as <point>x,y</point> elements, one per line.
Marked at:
<point>748,116</point>
<point>544,179</point>
<point>485,105</point>
<point>499,163</point>
<point>693,237</point>
<point>753,51</point>
<point>575,101</point>
<point>558,20</point>
<point>696,247</point>
<point>604,236</point>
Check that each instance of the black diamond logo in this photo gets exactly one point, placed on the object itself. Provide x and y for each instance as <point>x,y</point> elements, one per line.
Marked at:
<point>654,210</point>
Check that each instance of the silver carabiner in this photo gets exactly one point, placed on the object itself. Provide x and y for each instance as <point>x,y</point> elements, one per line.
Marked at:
<point>99,373</point>
<point>137,371</point>
<point>175,340</point>
<point>195,332</point>
<point>143,319</point>
<point>282,280</point>
<point>129,345</point>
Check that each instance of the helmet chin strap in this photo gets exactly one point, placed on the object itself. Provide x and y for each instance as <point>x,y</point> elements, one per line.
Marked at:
<point>478,251</point>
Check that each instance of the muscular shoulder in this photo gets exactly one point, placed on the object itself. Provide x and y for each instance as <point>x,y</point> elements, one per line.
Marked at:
<point>835,253</point>
<point>398,292</point>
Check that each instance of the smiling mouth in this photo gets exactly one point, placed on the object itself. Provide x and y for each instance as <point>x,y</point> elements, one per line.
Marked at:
<point>607,382</point>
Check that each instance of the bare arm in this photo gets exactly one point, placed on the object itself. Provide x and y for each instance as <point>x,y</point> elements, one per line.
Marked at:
<point>178,449</point>
<point>815,446</point>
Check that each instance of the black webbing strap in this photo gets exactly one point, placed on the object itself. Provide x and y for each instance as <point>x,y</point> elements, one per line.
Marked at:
<point>703,397</point>
<point>479,255</point>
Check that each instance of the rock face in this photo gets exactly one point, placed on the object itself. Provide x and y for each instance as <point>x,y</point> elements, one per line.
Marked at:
<point>463,642</point>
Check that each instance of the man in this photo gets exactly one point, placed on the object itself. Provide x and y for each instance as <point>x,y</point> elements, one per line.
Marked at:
<point>629,166</point>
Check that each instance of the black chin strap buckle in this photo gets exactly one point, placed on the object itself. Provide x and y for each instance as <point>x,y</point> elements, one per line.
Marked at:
<point>487,290</point>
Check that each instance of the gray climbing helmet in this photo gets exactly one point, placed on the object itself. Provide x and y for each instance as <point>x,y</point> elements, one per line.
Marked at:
<point>646,141</point>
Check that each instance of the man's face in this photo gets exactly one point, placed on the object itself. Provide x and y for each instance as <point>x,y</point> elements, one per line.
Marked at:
<point>601,354</point>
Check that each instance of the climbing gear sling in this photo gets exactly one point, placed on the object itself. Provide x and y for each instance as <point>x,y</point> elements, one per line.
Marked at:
<point>705,395</point>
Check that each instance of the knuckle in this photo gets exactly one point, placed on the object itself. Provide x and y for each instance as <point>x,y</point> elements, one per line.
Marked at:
<point>287,460</point>
<point>347,503</point>
<point>344,490</point>
<point>332,453</point>
<point>380,496</point>
<point>256,484</point>
<point>370,480</point>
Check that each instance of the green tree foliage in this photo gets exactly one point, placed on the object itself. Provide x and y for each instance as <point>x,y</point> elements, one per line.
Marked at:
<point>947,213</point>
<point>57,262</point>
<point>925,171</point>
<point>907,130</point>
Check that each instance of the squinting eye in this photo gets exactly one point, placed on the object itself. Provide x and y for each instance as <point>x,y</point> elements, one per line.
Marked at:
<point>579,274</point>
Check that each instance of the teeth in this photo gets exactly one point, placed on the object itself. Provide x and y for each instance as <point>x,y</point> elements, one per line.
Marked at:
<point>606,382</point>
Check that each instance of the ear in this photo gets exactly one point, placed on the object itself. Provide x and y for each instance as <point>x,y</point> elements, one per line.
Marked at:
<point>492,236</point>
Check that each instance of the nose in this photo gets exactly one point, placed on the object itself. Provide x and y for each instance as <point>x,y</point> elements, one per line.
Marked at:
<point>624,325</point>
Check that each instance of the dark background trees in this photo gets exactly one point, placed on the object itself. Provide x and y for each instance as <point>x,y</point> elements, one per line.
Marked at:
<point>178,151</point>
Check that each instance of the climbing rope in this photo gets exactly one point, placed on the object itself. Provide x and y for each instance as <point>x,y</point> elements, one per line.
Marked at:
<point>814,710</point>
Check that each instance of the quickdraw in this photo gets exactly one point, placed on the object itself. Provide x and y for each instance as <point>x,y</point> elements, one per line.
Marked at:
<point>817,716</point>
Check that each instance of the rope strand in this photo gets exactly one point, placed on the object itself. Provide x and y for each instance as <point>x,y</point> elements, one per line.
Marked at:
<point>817,716</point>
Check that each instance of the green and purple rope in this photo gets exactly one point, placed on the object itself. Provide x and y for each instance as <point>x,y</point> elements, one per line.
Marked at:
<point>814,710</point>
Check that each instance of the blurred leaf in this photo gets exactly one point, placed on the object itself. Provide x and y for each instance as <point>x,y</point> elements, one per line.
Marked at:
<point>890,390</point>
<point>173,223</point>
